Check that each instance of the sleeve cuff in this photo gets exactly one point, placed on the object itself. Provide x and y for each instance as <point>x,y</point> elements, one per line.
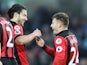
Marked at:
<point>44,46</point>
<point>17,36</point>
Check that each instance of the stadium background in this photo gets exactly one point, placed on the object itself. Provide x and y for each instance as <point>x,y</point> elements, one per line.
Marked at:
<point>39,16</point>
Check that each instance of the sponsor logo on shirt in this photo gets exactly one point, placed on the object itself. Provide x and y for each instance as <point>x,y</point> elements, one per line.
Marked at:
<point>17,30</point>
<point>59,41</point>
<point>59,49</point>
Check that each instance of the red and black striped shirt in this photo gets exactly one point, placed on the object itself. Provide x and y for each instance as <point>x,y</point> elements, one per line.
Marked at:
<point>20,52</point>
<point>6,38</point>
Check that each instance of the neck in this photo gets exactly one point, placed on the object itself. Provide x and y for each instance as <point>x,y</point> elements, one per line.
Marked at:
<point>63,29</point>
<point>14,20</point>
<point>60,30</point>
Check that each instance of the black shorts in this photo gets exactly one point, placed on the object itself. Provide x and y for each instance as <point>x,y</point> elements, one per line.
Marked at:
<point>9,61</point>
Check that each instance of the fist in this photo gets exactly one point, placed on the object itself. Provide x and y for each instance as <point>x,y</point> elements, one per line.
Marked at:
<point>39,41</point>
<point>37,33</point>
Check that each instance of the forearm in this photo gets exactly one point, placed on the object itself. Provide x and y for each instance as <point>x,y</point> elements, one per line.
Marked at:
<point>24,39</point>
<point>48,50</point>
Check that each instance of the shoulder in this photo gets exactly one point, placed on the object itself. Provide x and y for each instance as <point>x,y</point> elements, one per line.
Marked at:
<point>59,39</point>
<point>18,29</point>
<point>60,44</point>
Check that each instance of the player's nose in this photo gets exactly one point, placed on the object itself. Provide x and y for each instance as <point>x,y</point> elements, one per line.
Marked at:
<point>51,25</point>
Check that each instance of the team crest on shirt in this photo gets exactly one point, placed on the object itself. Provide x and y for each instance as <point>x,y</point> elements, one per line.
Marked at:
<point>17,30</point>
<point>59,49</point>
<point>58,41</point>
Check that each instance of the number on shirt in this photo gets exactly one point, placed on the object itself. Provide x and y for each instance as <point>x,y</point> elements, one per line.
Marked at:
<point>9,44</point>
<point>75,53</point>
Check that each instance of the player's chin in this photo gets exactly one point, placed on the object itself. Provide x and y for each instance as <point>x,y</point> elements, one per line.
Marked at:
<point>55,33</point>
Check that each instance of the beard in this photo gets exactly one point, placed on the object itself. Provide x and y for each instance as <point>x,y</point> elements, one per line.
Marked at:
<point>21,22</point>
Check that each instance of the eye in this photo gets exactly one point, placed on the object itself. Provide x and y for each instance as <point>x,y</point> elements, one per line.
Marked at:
<point>25,15</point>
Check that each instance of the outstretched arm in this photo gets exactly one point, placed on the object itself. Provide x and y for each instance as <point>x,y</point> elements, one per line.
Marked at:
<point>27,38</point>
<point>40,42</point>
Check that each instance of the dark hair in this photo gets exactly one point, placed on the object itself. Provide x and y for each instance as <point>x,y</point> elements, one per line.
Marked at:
<point>15,8</point>
<point>63,17</point>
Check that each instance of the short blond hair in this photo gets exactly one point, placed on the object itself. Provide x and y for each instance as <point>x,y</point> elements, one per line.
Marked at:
<point>63,17</point>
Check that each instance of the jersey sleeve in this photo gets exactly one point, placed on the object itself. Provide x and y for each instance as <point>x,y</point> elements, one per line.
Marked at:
<point>61,51</point>
<point>18,30</point>
<point>49,50</point>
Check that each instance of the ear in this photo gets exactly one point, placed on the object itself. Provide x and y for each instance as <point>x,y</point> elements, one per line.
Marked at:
<point>59,24</point>
<point>15,14</point>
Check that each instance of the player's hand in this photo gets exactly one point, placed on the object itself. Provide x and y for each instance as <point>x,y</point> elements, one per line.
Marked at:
<point>39,41</point>
<point>37,33</point>
<point>1,63</point>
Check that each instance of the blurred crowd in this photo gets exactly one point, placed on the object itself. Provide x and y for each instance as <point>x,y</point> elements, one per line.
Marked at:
<point>42,19</point>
